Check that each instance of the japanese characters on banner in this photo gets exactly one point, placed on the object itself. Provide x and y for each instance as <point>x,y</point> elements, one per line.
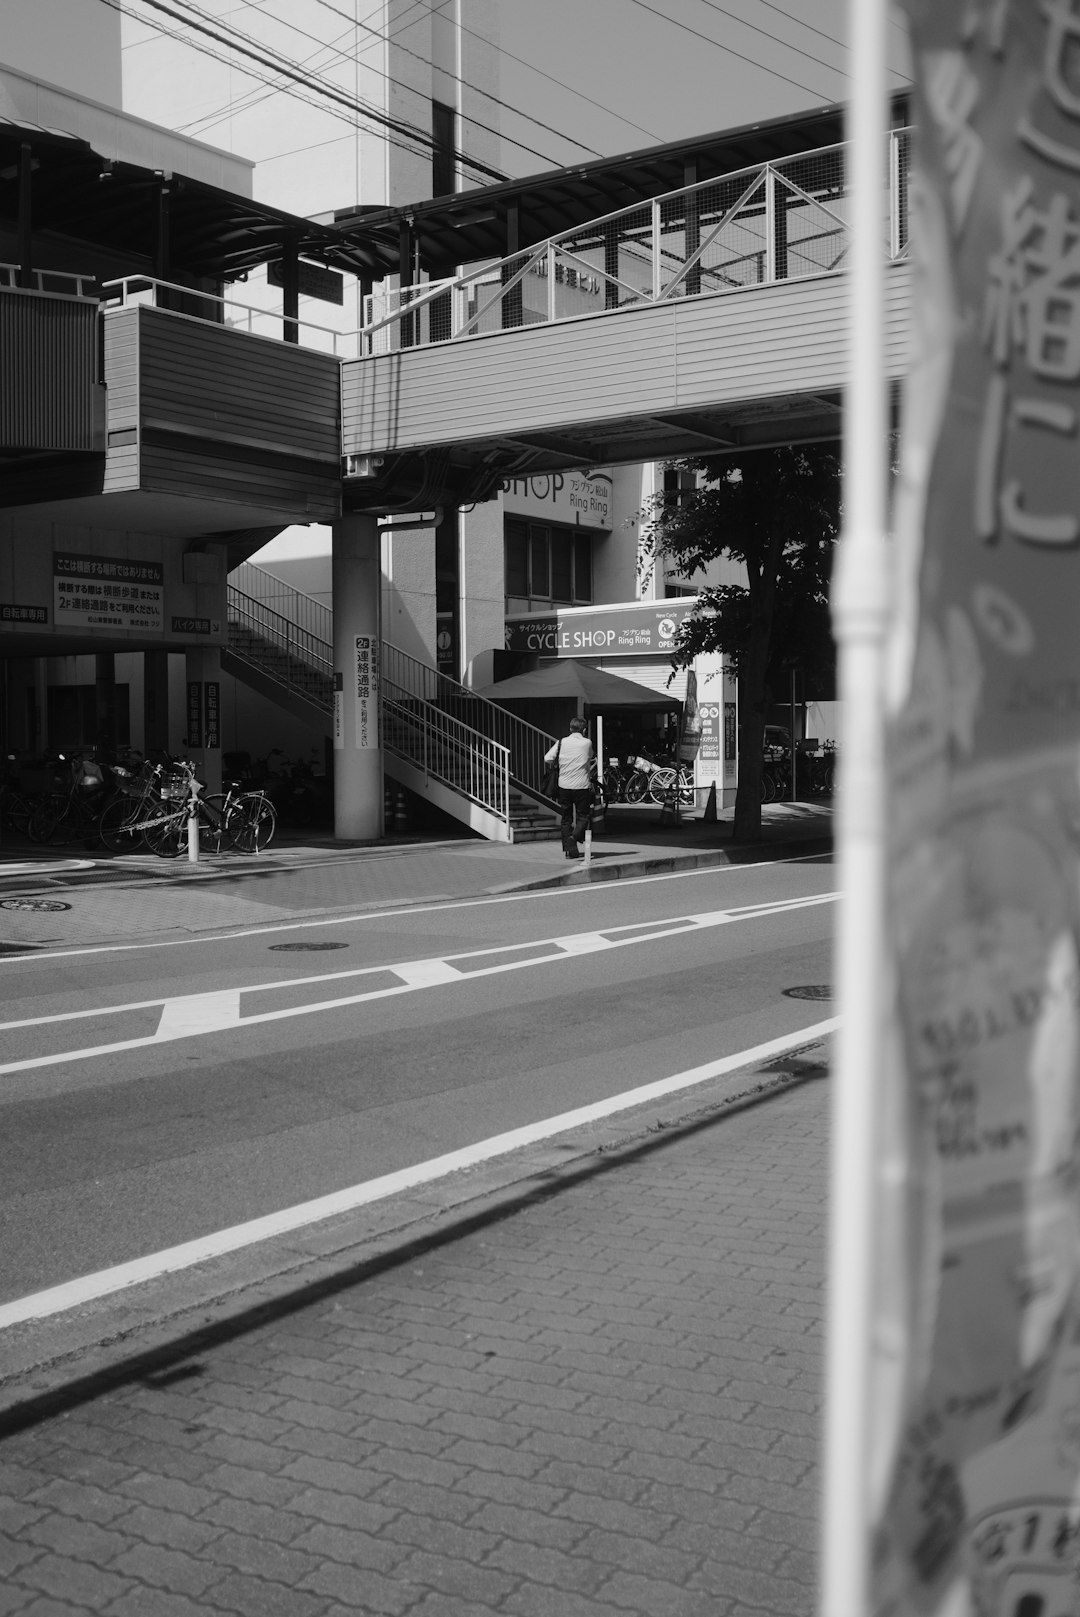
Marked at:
<point>976,1465</point>
<point>108,592</point>
<point>366,689</point>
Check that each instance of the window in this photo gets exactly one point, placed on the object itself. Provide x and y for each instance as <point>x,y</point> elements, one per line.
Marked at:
<point>443,163</point>
<point>546,566</point>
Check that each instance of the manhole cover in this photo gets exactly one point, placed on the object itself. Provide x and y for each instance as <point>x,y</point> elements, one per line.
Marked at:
<point>295,948</point>
<point>34,904</point>
<point>809,991</point>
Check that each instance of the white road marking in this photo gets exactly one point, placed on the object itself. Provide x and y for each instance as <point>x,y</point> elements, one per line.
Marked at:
<point>74,1293</point>
<point>424,973</point>
<point>196,1015</point>
<point>390,911</point>
<point>199,1013</point>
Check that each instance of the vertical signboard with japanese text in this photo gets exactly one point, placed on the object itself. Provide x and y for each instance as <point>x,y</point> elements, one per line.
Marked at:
<point>976,1465</point>
<point>366,689</point>
<point>194,713</point>
<point>212,713</point>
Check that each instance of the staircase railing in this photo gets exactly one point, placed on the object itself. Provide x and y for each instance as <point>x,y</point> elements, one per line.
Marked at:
<point>524,742</point>
<point>282,650</point>
<point>448,751</point>
<point>422,717</point>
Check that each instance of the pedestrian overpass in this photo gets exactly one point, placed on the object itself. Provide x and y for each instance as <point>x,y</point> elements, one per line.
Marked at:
<point>712,318</point>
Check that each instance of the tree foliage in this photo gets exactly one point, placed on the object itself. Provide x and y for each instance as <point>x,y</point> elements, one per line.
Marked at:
<point>777,511</point>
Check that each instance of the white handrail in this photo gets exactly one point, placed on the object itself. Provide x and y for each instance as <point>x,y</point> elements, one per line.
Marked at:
<point>129,286</point>
<point>515,267</point>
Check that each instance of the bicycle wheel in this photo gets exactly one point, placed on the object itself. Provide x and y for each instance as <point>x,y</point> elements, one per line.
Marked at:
<point>168,838</point>
<point>636,787</point>
<point>660,783</point>
<point>45,817</point>
<point>118,826</point>
<point>214,832</point>
<point>687,795</point>
<point>768,786</point>
<point>251,822</point>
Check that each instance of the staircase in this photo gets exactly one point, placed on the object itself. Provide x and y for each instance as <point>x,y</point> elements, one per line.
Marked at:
<point>458,750</point>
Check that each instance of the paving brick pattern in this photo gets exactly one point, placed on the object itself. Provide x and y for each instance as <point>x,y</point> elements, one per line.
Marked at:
<point>605,1404</point>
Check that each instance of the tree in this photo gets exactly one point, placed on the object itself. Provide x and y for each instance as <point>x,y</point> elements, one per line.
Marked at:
<point>778,512</point>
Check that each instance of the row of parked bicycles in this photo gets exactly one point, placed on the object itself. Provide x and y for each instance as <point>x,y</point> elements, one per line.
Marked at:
<point>639,778</point>
<point>140,803</point>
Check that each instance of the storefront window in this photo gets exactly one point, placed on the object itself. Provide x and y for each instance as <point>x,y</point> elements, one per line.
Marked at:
<point>546,565</point>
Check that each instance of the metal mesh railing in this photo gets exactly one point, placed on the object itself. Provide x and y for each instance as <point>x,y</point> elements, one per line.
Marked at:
<point>777,221</point>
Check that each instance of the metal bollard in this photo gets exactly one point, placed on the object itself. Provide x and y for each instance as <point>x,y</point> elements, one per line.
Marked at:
<point>193,830</point>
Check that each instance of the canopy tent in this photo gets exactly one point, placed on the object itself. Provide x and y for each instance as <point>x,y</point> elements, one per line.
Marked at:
<point>593,689</point>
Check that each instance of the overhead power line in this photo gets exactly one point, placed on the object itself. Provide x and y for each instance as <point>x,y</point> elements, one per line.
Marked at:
<point>727,49</point>
<point>249,41</point>
<point>356,107</point>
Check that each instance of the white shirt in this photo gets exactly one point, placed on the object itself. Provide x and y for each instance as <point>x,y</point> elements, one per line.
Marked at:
<point>577,761</point>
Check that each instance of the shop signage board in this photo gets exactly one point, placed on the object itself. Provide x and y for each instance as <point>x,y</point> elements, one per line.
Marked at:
<point>976,1460</point>
<point>313,280</point>
<point>634,629</point>
<point>581,499</point>
<point>108,592</point>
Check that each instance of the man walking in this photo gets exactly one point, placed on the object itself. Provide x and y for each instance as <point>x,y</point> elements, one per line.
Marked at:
<point>577,783</point>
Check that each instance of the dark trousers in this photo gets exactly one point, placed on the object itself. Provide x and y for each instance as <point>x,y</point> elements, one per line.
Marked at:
<point>576,810</point>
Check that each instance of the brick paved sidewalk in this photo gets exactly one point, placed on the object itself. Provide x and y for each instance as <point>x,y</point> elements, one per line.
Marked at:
<point>601,1404</point>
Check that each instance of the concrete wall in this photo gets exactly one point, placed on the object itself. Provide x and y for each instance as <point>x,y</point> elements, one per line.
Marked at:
<point>74,44</point>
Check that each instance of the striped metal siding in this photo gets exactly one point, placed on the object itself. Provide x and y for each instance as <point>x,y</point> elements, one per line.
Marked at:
<point>230,416</point>
<point>766,342</point>
<point>48,379</point>
<point>122,400</point>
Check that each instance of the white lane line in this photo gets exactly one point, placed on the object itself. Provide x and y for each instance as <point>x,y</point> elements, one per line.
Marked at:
<point>392,912</point>
<point>195,1015</point>
<point>74,1293</point>
<point>199,1013</point>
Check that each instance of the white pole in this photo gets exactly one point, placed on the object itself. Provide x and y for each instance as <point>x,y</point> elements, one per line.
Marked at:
<point>860,611</point>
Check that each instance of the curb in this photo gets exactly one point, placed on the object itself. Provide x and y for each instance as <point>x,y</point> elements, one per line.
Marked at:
<point>750,853</point>
<point>163,1322</point>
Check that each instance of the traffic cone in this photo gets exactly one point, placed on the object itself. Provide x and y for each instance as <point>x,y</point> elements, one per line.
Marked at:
<point>710,804</point>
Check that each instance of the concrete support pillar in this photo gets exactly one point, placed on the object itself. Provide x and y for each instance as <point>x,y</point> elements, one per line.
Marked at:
<point>202,741</point>
<point>155,701</point>
<point>357,592</point>
<point>105,704</point>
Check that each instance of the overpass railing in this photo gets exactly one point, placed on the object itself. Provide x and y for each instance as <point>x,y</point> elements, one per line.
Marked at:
<point>775,221</point>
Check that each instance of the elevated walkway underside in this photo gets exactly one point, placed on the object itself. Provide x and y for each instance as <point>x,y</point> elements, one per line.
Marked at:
<point>711,319</point>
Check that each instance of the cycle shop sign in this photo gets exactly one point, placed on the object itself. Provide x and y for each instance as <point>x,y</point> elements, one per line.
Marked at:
<point>645,629</point>
<point>108,592</point>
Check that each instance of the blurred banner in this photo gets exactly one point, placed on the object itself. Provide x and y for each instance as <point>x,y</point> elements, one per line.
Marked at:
<point>976,1455</point>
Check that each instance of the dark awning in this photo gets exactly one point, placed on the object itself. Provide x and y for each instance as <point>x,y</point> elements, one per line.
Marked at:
<point>473,225</point>
<point>116,208</point>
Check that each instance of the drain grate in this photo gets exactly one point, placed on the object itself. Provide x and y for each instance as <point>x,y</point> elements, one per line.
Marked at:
<point>296,948</point>
<point>35,905</point>
<point>809,991</point>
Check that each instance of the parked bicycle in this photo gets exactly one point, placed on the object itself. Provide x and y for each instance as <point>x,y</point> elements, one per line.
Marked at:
<point>155,811</point>
<point>71,812</point>
<point>667,785</point>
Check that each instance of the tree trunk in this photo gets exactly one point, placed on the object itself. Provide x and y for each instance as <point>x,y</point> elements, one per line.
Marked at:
<point>752,733</point>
